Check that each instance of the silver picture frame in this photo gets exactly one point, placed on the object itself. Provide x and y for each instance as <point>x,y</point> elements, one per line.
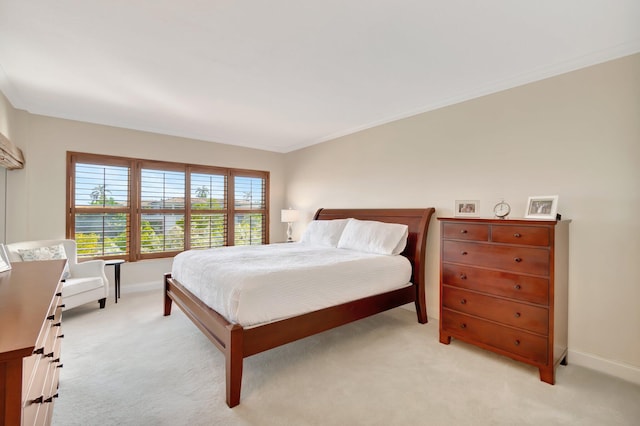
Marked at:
<point>467,208</point>
<point>542,207</point>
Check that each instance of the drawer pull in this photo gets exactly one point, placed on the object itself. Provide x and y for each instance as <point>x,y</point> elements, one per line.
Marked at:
<point>38,400</point>
<point>464,253</point>
<point>463,301</point>
<point>463,276</point>
<point>59,294</point>
<point>38,351</point>
<point>517,315</point>
<point>517,343</point>
<point>50,399</point>
<point>61,336</point>
<point>51,317</point>
<point>463,325</point>
<point>517,287</point>
<point>55,360</point>
<point>62,306</point>
<point>60,366</point>
<point>517,235</point>
<point>517,259</point>
<point>49,355</point>
<point>58,324</point>
<point>463,231</point>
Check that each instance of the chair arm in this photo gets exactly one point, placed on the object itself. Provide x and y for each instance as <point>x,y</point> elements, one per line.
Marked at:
<point>89,268</point>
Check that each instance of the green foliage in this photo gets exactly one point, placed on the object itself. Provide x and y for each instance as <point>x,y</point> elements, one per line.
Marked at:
<point>150,241</point>
<point>202,192</point>
<point>99,197</point>
<point>87,244</point>
<point>249,229</point>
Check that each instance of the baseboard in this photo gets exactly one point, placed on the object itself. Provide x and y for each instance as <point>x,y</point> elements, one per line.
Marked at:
<point>620,370</point>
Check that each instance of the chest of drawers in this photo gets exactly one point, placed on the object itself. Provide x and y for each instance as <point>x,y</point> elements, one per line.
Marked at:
<point>30,341</point>
<point>504,288</point>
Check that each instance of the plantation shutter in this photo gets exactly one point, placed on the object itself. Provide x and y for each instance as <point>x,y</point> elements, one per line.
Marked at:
<point>208,210</point>
<point>250,220</point>
<point>100,213</point>
<point>136,209</point>
<point>162,205</point>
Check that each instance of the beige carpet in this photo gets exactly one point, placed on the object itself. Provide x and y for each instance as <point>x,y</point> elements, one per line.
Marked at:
<point>129,365</point>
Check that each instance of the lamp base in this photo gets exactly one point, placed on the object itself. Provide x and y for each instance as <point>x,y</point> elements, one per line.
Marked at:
<point>289,232</point>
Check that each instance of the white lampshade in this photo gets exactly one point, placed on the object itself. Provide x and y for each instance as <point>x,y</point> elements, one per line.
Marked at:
<point>288,215</point>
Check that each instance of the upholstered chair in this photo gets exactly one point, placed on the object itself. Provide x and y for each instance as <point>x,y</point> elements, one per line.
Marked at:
<point>83,282</point>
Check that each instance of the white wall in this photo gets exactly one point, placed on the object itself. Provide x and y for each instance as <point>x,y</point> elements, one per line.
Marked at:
<point>576,135</point>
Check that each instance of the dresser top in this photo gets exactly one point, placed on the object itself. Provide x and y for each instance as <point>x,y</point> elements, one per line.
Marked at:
<point>26,294</point>
<point>516,221</point>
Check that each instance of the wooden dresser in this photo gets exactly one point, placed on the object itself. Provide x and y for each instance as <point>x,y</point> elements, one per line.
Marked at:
<point>504,287</point>
<point>30,334</point>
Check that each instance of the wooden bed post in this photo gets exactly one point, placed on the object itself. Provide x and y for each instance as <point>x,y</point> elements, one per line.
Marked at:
<point>419,267</point>
<point>167,299</point>
<point>234,357</point>
<point>421,308</point>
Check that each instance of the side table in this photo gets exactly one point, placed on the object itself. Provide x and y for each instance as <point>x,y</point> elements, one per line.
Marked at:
<point>116,269</point>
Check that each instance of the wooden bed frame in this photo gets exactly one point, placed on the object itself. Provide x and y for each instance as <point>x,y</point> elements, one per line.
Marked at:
<point>237,343</point>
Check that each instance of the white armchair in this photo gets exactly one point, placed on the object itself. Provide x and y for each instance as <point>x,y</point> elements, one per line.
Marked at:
<point>84,282</point>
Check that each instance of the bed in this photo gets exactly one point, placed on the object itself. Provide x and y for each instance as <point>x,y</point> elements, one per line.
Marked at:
<point>237,341</point>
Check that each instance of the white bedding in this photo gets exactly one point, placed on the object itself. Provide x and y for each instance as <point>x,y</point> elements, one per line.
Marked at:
<point>253,285</point>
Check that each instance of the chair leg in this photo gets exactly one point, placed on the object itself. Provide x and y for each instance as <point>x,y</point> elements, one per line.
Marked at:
<point>102,302</point>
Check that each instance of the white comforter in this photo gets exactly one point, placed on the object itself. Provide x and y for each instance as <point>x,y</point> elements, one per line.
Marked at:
<point>252,285</point>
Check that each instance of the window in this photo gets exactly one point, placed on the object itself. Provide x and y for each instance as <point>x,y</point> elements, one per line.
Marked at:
<point>139,209</point>
<point>101,206</point>
<point>250,201</point>
<point>208,209</point>
<point>162,206</point>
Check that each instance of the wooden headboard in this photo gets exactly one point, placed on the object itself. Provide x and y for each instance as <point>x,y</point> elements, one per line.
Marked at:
<point>416,219</point>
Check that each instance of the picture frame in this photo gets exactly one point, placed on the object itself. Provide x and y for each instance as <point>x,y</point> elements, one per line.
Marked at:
<point>5,265</point>
<point>542,207</point>
<point>467,208</point>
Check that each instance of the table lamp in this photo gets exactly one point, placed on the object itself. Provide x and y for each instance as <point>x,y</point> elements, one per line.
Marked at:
<point>289,216</point>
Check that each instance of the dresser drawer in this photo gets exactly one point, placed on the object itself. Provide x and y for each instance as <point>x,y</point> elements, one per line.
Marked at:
<point>34,388</point>
<point>41,409</point>
<point>32,414</point>
<point>521,315</point>
<point>35,366</point>
<point>507,339</point>
<point>526,260</point>
<point>466,231</point>
<point>40,375</point>
<point>526,235</point>
<point>514,286</point>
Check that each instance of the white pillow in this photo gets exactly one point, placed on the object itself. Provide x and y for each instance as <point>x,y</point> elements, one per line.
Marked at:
<point>324,232</point>
<point>374,237</point>
<point>46,253</point>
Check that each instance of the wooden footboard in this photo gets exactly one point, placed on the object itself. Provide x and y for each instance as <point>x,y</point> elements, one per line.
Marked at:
<point>237,343</point>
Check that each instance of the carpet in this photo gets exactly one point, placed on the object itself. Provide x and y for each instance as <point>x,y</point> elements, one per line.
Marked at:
<point>127,364</point>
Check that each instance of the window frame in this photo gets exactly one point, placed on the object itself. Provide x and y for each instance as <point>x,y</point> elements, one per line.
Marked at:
<point>135,211</point>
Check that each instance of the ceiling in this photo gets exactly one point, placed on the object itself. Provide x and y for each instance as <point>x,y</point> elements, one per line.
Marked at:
<point>280,75</point>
